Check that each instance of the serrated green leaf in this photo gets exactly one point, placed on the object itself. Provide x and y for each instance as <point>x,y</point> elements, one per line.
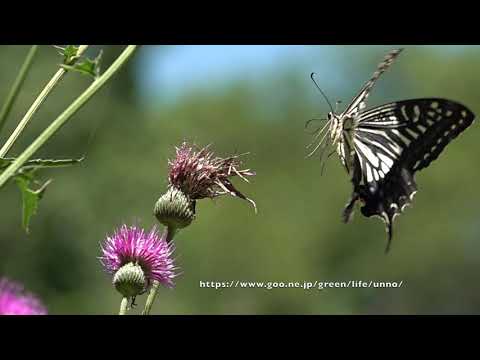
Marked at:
<point>25,176</point>
<point>86,66</point>
<point>30,197</point>
<point>69,53</point>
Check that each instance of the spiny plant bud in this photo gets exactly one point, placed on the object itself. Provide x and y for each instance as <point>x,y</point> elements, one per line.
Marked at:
<point>130,280</point>
<point>174,209</point>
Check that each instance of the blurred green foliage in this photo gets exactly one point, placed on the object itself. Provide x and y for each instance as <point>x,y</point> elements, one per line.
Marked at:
<point>297,234</point>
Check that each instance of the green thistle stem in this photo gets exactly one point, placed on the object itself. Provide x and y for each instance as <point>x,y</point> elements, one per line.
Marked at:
<point>36,104</point>
<point>151,298</point>
<point>169,233</point>
<point>22,74</point>
<point>66,115</point>
<point>123,306</point>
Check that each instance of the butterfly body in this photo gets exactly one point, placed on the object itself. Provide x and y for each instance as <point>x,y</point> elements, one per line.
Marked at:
<point>342,132</point>
<point>382,148</point>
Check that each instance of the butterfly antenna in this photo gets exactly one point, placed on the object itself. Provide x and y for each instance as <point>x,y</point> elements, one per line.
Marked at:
<point>312,76</point>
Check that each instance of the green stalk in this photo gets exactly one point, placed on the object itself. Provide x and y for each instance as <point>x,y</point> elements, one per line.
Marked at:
<point>22,74</point>
<point>170,232</point>
<point>151,298</point>
<point>67,114</point>
<point>123,306</point>
<point>36,104</point>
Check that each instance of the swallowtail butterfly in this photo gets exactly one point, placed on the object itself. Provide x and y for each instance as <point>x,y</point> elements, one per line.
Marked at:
<point>383,147</point>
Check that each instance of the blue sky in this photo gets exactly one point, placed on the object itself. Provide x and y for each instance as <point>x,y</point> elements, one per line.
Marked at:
<point>183,68</point>
<point>168,72</point>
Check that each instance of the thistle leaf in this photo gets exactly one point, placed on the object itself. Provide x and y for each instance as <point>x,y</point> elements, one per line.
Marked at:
<point>30,197</point>
<point>69,53</point>
<point>25,178</point>
<point>86,66</point>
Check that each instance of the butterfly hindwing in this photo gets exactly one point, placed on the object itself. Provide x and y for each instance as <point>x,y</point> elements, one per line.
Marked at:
<point>395,140</point>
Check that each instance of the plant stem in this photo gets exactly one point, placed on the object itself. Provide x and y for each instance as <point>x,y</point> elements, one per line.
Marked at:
<point>123,306</point>
<point>66,115</point>
<point>36,104</point>
<point>151,298</point>
<point>22,74</point>
<point>169,233</point>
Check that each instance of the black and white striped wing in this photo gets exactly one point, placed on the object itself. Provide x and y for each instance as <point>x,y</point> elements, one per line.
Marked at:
<point>359,102</point>
<point>395,140</point>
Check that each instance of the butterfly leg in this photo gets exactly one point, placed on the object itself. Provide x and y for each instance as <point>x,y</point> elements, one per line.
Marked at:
<point>355,171</point>
<point>133,304</point>
<point>348,211</point>
<point>389,230</point>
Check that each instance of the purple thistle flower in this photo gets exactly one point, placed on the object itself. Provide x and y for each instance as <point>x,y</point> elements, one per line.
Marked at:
<point>15,301</point>
<point>199,174</point>
<point>149,250</point>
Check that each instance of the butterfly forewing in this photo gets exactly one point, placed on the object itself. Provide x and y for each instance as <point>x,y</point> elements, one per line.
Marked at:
<point>410,133</point>
<point>359,103</point>
<point>436,122</point>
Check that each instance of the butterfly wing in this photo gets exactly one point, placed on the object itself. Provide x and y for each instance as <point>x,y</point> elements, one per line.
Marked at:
<point>359,102</point>
<point>391,143</point>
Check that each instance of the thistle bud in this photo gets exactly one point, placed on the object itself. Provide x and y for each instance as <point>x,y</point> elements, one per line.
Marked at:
<point>174,209</point>
<point>130,280</point>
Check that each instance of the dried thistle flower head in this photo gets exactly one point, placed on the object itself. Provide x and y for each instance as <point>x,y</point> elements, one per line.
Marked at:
<point>199,174</point>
